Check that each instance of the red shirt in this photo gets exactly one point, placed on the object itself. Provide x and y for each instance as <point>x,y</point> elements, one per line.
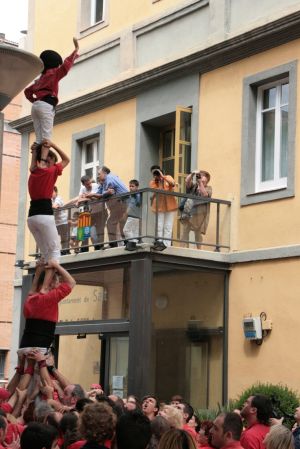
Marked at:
<point>47,84</point>
<point>45,307</point>
<point>13,430</point>
<point>6,407</point>
<point>233,445</point>
<point>42,180</point>
<point>190,430</point>
<point>253,436</point>
<point>77,444</point>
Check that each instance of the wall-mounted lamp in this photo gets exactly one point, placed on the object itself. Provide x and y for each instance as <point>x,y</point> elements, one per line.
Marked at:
<point>161,302</point>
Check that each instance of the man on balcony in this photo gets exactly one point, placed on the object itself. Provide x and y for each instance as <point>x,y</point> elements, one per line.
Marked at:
<point>109,186</point>
<point>164,206</point>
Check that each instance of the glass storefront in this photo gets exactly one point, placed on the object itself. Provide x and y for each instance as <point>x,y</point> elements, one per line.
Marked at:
<point>97,356</point>
<point>98,295</point>
<point>187,335</point>
<point>178,348</point>
<point>84,353</point>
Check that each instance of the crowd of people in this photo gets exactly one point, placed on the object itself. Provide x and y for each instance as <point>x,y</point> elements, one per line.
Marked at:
<point>41,409</point>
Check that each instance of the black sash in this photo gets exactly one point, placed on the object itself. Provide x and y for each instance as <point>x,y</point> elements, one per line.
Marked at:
<point>38,333</point>
<point>40,207</point>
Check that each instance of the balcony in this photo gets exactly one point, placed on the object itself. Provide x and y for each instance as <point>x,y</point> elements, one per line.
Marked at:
<point>191,223</point>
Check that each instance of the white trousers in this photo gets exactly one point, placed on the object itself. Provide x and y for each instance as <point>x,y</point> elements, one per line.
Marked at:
<point>25,351</point>
<point>44,231</point>
<point>165,226</point>
<point>42,115</point>
<point>131,229</point>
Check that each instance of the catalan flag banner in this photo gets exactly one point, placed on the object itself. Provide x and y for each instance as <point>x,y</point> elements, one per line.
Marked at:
<point>84,226</point>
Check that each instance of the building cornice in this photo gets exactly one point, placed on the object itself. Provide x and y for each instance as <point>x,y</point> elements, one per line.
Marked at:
<point>247,44</point>
<point>173,255</point>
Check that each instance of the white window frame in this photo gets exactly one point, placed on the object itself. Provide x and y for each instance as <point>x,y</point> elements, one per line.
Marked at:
<point>93,13</point>
<point>95,162</point>
<point>278,182</point>
<point>87,21</point>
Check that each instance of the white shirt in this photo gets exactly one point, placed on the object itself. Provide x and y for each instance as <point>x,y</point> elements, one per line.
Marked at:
<point>94,189</point>
<point>60,216</point>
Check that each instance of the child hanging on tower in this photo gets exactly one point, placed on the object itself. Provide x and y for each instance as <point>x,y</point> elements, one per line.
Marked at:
<point>43,92</point>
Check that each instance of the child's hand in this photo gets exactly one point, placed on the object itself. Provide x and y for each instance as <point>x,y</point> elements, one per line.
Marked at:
<point>76,45</point>
<point>47,143</point>
<point>52,263</point>
<point>34,147</point>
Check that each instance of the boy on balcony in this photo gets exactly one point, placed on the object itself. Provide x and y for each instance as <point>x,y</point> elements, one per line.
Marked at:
<point>132,225</point>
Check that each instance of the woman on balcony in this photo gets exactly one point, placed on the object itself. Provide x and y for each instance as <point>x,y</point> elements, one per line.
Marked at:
<point>195,213</point>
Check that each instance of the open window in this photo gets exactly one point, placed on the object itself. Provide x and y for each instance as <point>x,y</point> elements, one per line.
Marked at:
<point>175,147</point>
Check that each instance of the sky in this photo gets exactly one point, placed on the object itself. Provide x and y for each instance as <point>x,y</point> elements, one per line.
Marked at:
<point>13,18</point>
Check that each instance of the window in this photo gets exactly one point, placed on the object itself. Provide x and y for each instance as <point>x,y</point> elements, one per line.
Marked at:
<point>96,11</point>
<point>268,135</point>
<point>2,363</point>
<point>175,147</point>
<point>92,13</point>
<point>90,158</point>
<point>272,135</point>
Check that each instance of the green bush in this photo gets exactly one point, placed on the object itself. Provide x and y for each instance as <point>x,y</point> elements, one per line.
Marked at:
<point>207,414</point>
<point>283,398</point>
<point>212,413</point>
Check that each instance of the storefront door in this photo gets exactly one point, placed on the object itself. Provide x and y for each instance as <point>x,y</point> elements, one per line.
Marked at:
<point>95,358</point>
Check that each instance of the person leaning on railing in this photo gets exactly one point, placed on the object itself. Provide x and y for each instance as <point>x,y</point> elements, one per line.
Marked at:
<point>195,213</point>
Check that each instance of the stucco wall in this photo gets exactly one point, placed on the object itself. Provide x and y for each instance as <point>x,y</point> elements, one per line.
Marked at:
<point>270,287</point>
<point>10,149</point>
<point>221,92</point>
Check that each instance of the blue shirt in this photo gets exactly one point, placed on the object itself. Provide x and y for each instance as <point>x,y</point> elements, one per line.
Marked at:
<point>134,203</point>
<point>112,182</point>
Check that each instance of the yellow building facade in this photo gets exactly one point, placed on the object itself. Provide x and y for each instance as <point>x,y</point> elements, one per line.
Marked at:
<point>186,84</point>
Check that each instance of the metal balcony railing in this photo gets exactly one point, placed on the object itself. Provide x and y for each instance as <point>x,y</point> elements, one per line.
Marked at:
<point>146,216</point>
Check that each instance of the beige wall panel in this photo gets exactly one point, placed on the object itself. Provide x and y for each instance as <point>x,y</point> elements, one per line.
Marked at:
<point>221,93</point>
<point>270,287</point>
<point>55,24</point>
